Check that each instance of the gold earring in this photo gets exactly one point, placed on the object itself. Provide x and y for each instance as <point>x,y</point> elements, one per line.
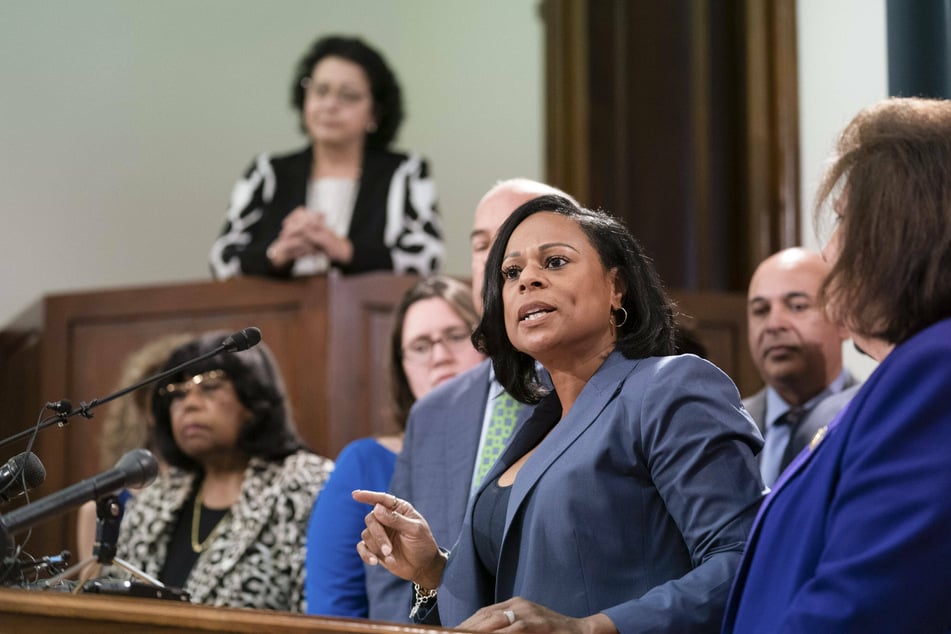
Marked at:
<point>613,320</point>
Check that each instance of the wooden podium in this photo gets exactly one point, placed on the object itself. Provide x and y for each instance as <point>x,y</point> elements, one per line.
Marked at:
<point>328,334</point>
<point>30,612</point>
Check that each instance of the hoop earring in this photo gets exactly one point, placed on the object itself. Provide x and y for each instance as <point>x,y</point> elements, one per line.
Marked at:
<point>614,321</point>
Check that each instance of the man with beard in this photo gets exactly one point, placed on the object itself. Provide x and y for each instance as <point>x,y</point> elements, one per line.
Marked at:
<point>798,352</point>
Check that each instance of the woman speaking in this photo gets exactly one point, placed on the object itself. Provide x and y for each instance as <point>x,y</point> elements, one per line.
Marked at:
<point>624,502</point>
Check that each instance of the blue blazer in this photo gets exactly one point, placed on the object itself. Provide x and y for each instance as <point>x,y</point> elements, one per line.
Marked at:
<point>434,473</point>
<point>636,504</point>
<point>856,534</point>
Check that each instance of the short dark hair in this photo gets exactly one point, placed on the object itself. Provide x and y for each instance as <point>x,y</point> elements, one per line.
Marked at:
<point>891,183</point>
<point>270,434</point>
<point>647,331</point>
<point>387,96</point>
<point>459,297</point>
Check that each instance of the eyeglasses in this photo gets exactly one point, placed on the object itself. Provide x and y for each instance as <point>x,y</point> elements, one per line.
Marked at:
<point>345,96</point>
<point>420,350</point>
<point>206,383</point>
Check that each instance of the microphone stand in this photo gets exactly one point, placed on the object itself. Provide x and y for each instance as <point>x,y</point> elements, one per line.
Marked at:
<point>62,408</point>
<point>109,516</point>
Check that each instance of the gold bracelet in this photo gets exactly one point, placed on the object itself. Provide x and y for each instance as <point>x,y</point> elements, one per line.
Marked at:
<point>422,596</point>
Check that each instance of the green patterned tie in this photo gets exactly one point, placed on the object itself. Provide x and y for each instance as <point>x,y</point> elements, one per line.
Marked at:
<point>504,413</point>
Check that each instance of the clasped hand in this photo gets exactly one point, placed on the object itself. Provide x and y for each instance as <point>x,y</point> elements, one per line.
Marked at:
<point>304,232</point>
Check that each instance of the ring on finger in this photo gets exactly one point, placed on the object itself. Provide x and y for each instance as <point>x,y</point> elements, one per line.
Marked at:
<point>510,615</point>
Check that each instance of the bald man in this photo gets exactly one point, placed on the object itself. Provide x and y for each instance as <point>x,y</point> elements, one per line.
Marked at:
<point>444,450</point>
<point>798,353</point>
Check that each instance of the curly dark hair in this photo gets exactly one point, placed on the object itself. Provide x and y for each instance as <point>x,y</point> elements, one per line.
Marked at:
<point>459,298</point>
<point>648,330</point>
<point>270,434</point>
<point>387,96</point>
<point>891,182</point>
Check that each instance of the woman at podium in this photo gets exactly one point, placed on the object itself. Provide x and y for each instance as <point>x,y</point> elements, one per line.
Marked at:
<point>226,522</point>
<point>345,201</point>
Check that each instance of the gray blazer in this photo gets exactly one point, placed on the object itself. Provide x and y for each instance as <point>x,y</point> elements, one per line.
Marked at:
<point>434,473</point>
<point>637,503</point>
<point>819,416</point>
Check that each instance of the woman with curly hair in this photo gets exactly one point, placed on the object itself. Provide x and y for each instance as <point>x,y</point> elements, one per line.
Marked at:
<point>345,201</point>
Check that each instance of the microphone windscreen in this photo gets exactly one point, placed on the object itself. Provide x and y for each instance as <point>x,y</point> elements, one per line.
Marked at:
<point>247,338</point>
<point>140,468</point>
<point>32,469</point>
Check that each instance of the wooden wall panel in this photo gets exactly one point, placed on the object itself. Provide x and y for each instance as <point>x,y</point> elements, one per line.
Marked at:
<point>691,112</point>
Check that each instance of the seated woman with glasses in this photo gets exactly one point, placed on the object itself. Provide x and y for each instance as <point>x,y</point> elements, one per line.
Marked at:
<point>343,202</point>
<point>227,520</point>
<point>430,344</point>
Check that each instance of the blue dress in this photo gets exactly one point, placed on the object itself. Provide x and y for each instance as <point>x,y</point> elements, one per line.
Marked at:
<point>335,581</point>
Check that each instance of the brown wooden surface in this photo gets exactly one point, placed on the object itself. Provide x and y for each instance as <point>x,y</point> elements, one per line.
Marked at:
<point>31,612</point>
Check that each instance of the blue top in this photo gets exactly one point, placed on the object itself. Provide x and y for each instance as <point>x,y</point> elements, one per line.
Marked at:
<point>335,580</point>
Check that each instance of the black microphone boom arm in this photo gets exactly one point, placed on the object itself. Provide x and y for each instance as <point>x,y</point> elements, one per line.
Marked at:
<point>241,340</point>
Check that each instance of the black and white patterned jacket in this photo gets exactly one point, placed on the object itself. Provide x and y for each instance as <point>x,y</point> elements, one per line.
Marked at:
<point>395,225</point>
<point>257,561</point>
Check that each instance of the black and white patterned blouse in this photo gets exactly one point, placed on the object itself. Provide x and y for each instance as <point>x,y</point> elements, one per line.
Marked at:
<point>394,227</point>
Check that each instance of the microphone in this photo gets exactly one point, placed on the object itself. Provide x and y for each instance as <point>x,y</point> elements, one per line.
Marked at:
<point>236,342</point>
<point>21,473</point>
<point>247,338</point>
<point>135,469</point>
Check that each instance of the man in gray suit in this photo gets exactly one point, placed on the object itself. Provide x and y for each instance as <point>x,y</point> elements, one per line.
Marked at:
<point>798,352</point>
<point>442,458</point>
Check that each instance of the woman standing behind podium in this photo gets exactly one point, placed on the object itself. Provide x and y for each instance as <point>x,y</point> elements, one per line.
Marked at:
<point>345,201</point>
<point>429,345</point>
<point>227,520</point>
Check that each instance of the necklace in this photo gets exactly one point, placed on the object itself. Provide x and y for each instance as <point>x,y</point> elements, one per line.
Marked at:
<point>198,546</point>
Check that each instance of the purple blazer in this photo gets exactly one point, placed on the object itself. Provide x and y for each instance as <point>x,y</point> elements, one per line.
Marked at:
<point>856,534</point>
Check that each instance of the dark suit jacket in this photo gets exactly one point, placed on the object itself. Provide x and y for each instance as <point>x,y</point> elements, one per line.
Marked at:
<point>819,416</point>
<point>636,504</point>
<point>855,535</point>
<point>434,473</point>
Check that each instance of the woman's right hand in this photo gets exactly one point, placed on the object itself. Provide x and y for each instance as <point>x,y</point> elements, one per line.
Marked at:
<point>398,537</point>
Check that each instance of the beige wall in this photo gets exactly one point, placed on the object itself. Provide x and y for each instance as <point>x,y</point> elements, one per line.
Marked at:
<point>125,123</point>
<point>843,67</point>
